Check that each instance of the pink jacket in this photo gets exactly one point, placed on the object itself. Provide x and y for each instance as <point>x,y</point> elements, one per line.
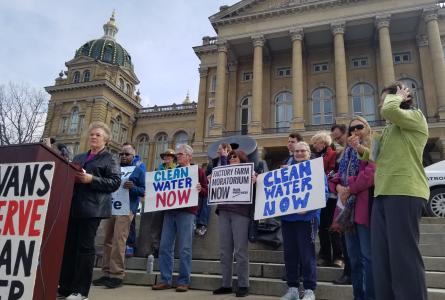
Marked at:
<point>359,185</point>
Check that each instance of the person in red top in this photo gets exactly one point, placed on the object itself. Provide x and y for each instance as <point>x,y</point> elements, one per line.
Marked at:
<point>178,223</point>
<point>321,143</point>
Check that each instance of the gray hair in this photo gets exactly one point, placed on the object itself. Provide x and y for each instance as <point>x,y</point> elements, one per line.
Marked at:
<point>324,136</point>
<point>187,149</point>
<point>103,126</point>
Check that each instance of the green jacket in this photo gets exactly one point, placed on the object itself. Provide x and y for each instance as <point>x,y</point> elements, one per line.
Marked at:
<point>399,169</point>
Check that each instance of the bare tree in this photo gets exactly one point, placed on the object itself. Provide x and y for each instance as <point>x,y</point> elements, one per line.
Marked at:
<point>22,113</point>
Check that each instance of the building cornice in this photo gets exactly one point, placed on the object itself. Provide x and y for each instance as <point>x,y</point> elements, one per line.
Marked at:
<point>168,111</point>
<point>91,84</point>
<point>292,6</point>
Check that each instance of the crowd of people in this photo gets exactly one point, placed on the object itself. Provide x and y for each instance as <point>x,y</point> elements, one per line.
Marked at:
<point>374,192</point>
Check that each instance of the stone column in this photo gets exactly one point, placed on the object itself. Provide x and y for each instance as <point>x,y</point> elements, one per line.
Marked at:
<point>437,60</point>
<point>198,145</point>
<point>232,101</point>
<point>297,36</point>
<point>48,132</point>
<point>429,87</point>
<point>386,61</point>
<point>341,79</point>
<point>220,95</point>
<point>257,86</point>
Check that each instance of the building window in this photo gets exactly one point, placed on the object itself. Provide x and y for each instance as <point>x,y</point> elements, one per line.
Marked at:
<point>160,147</point>
<point>210,123</point>
<point>123,136</point>
<point>81,123</point>
<point>247,76</point>
<point>320,67</point>
<point>128,89</point>
<point>402,57</point>
<point>245,115</point>
<point>363,101</point>
<point>284,72</point>
<point>322,106</point>
<point>213,84</point>
<point>86,76</point>
<point>108,53</point>
<point>415,93</point>
<point>181,138</point>
<point>211,102</point>
<point>76,77</point>
<point>142,147</point>
<point>359,62</point>
<point>76,149</point>
<point>74,120</point>
<point>63,125</point>
<point>283,110</point>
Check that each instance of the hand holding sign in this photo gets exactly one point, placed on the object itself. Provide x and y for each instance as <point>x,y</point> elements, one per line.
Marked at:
<point>128,185</point>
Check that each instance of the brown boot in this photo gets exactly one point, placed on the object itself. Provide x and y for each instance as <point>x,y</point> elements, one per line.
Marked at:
<point>182,288</point>
<point>161,286</point>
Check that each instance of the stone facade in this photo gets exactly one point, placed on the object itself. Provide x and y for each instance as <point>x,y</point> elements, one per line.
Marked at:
<point>275,66</point>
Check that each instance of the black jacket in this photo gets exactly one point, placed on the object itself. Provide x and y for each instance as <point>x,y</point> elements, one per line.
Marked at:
<point>93,200</point>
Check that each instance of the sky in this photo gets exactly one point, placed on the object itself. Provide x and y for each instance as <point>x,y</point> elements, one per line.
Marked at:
<point>37,37</point>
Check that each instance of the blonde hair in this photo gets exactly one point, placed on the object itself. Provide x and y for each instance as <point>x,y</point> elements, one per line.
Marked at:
<point>368,137</point>
<point>324,136</point>
<point>103,126</point>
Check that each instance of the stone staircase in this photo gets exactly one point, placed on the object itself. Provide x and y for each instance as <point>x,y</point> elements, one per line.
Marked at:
<point>267,266</point>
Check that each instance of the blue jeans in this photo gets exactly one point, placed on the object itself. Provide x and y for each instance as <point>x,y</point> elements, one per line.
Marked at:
<point>358,244</point>
<point>204,209</point>
<point>176,224</point>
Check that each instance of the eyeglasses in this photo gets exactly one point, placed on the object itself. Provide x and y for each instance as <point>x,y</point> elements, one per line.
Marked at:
<point>300,151</point>
<point>125,154</point>
<point>180,154</point>
<point>233,156</point>
<point>356,127</point>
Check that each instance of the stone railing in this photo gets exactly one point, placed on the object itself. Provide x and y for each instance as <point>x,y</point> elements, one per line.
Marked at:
<point>169,108</point>
<point>207,40</point>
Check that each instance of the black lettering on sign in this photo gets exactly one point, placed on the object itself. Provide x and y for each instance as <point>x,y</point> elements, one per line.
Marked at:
<point>16,291</point>
<point>13,182</point>
<point>5,257</point>
<point>4,178</point>
<point>220,192</point>
<point>29,180</point>
<point>41,192</point>
<point>117,204</point>
<point>25,258</point>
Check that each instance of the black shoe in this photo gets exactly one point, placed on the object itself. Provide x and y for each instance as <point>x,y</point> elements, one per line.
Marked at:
<point>155,252</point>
<point>222,290</point>
<point>242,292</point>
<point>101,281</point>
<point>343,280</point>
<point>113,283</point>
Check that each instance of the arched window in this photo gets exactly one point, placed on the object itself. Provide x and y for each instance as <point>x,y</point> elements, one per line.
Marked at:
<point>181,138</point>
<point>160,147</point>
<point>86,76</point>
<point>283,110</point>
<point>121,84</point>
<point>210,123</point>
<point>128,89</point>
<point>245,114</point>
<point>213,84</point>
<point>142,147</point>
<point>76,78</point>
<point>363,101</point>
<point>108,53</point>
<point>322,106</point>
<point>115,129</point>
<point>74,120</point>
<point>415,92</point>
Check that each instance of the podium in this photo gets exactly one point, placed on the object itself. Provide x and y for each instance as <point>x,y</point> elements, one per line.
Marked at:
<point>59,203</point>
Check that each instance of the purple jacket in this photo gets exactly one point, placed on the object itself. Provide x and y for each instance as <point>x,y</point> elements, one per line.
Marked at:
<point>359,185</point>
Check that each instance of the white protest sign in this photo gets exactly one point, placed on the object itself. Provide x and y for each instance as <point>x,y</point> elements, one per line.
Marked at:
<point>121,197</point>
<point>231,184</point>
<point>289,190</point>
<point>172,188</point>
<point>24,194</point>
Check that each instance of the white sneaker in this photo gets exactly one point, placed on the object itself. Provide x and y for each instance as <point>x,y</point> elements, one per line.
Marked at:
<point>76,296</point>
<point>308,295</point>
<point>292,294</point>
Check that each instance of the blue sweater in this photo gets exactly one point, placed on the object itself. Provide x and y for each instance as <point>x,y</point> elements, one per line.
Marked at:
<point>138,178</point>
<point>309,215</point>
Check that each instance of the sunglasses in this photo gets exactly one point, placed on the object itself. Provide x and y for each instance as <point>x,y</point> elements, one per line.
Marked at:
<point>125,154</point>
<point>356,127</point>
<point>232,156</point>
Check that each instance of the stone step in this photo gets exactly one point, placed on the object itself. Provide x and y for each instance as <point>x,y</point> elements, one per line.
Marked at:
<point>432,220</point>
<point>432,238</point>
<point>258,286</point>
<point>432,228</point>
<point>434,263</point>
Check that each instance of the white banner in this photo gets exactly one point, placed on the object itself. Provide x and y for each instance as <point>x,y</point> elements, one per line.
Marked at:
<point>121,197</point>
<point>172,188</point>
<point>24,194</point>
<point>293,189</point>
<point>231,184</point>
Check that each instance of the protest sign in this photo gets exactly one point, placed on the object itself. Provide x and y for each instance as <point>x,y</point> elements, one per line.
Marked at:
<point>289,190</point>
<point>172,188</point>
<point>231,184</point>
<point>121,197</point>
<point>24,194</point>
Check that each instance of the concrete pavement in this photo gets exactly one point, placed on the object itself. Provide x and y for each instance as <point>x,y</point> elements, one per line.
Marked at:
<point>132,292</point>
